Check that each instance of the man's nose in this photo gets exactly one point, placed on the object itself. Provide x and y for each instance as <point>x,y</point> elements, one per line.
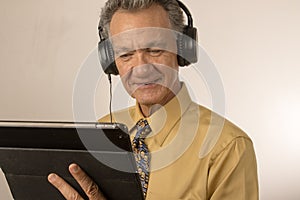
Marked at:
<point>143,64</point>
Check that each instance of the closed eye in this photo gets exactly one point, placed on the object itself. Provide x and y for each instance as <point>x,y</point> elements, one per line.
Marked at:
<point>154,51</point>
<point>126,56</point>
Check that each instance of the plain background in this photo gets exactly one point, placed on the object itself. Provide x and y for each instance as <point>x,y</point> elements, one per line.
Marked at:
<point>254,44</point>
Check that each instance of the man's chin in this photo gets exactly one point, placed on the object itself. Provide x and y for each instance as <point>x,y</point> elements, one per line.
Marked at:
<point>147,102</point>
<point>150,95</point>
<point>147,99</point>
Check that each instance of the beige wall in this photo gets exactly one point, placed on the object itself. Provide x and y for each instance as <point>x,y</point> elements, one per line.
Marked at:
<point>43,44</point>
<point>254,44</point>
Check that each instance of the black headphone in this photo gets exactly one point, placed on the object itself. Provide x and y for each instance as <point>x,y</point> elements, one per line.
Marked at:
<point>186,46</point>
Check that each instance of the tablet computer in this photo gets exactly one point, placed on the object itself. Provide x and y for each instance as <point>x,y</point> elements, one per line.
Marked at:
<point>29,151</point>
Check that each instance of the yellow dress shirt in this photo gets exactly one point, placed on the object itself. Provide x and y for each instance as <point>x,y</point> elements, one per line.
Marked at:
<point>195,153</point>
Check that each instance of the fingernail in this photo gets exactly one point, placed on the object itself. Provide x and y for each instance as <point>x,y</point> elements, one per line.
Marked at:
<point>74,168</point>
<point>52,177</point>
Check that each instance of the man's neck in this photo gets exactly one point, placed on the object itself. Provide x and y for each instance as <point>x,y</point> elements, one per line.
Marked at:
<point>148,110</point>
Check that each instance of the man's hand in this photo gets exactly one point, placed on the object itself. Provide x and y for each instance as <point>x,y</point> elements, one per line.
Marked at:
<point>85,182</point>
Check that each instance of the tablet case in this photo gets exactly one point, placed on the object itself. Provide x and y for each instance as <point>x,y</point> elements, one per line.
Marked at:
<point>29,151</point>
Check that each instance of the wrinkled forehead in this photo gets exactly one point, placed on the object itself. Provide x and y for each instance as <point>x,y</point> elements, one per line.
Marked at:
<point>143,38</point>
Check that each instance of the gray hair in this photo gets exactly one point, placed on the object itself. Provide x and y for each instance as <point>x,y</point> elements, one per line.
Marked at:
<point>111,6</point>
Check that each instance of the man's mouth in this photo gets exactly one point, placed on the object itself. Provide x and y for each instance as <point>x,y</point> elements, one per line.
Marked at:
<point>147,83</point>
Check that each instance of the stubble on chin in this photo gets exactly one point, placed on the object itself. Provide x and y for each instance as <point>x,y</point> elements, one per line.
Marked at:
<point>153,97</point>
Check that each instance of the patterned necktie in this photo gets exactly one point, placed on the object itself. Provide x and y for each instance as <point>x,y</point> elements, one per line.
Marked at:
<point>141,152</point>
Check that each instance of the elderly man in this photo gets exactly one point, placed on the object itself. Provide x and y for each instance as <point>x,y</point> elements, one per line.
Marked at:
<point>191,152</point>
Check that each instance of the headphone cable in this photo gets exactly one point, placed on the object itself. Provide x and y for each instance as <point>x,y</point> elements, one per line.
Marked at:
<point>110,96</point>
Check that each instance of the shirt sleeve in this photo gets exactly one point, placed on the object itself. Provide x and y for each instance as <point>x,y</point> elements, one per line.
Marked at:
<point>233,172</point>
<point>106,118</point>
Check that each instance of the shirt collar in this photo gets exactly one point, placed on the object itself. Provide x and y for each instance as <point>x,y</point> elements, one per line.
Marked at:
<point>164,119</point>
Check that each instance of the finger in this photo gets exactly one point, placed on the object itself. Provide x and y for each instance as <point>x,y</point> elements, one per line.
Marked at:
<point>87,184</point>
<point>65,189</point>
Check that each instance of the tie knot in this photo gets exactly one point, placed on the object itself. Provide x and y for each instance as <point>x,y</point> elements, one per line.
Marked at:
<point>143,128</point>
<point>142,123</point>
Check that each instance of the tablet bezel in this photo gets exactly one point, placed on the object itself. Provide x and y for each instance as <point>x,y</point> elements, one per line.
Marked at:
<point>118,182</point>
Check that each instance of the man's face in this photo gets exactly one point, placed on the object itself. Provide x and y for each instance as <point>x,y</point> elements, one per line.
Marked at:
<point>145,52</point>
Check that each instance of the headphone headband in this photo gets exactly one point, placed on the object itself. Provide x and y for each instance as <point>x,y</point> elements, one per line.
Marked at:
<point>187,12</point>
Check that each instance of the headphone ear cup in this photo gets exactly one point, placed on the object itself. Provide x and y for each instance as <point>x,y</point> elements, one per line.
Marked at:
<point>180,48</point>
<point>106,57</point>
<point>187,46</point>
